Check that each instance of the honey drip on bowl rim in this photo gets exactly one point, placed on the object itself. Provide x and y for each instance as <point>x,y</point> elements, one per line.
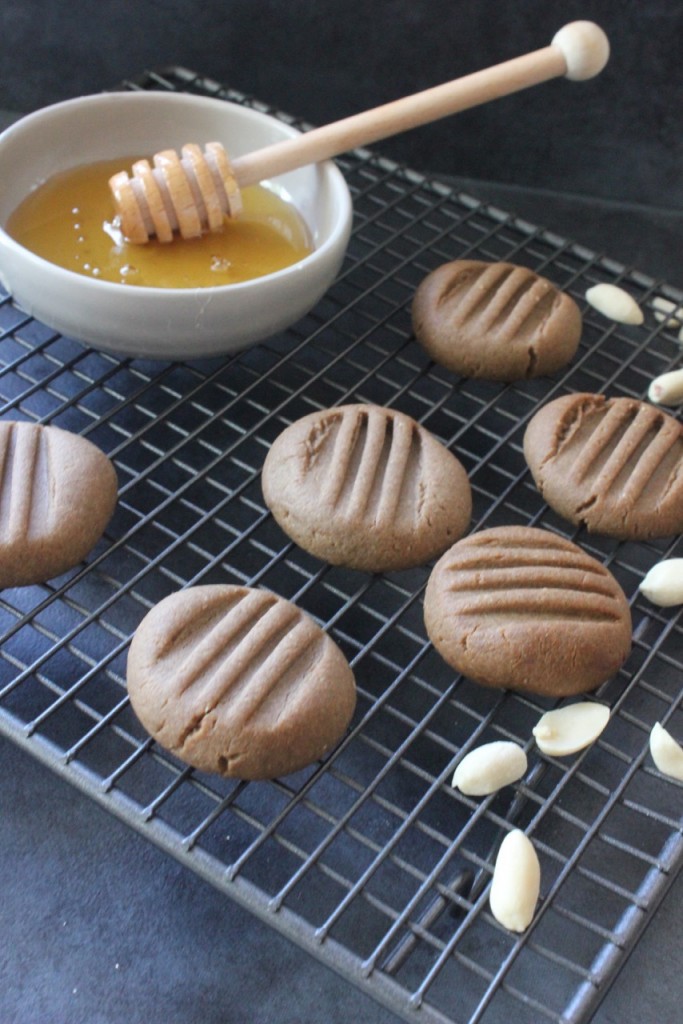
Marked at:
<point>70,220</point>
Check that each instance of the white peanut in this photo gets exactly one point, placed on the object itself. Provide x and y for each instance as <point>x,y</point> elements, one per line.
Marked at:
<point>489,767</point>
<point>569,729</point>
<point>663,584</point>
<point>667,312</point>
<point>667,389</point>
<point>516,882</point>
<point>667,754</point>
<point>615,303</point>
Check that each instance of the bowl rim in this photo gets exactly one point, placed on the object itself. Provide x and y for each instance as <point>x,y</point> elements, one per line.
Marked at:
<point>328,168</point>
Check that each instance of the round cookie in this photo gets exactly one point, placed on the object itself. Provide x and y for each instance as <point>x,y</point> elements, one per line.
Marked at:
<point>57,494</point>
<point>238,681</point>
<point>366,487</point>
<point>613,465</point>
<point>523,609</point>
<point>496,321</point>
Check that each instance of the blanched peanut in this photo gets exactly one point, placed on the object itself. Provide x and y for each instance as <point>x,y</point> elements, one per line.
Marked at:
<point>667,389</point>
<point>663,584</point>
<point>667,312</point>
<point>667,754</point>
<point>569,729</point>
<point>516,882</point>
<point>490,767</point>
<point>615,303</point>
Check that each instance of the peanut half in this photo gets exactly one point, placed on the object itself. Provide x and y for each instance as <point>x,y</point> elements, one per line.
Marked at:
<point>615,303</point>
<point>489,767</point>
<point>667,389</point>
<point>663,583</point>
<point>667,312</point>
<point>569,729</point>
<point>667,754</point>
<point>516,882</point>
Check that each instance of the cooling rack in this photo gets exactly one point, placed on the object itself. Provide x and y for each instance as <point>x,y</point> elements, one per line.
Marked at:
<point>370,860</point>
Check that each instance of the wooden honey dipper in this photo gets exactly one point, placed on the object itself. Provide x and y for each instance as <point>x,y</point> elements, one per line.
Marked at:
<point>192,193</point>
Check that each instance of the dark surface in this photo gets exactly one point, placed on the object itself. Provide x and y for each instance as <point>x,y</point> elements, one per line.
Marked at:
<point>101,927</point>
<point>617,136</point>
<point>648,238</point>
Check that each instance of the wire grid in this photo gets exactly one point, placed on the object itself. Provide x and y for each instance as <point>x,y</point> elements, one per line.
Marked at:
<point>370,860</point>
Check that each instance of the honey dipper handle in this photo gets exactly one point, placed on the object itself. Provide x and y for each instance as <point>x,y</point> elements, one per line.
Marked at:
<point>578,51</point>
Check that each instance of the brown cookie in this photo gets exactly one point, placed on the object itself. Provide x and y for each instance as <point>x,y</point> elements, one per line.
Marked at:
<point>57,494</point>
<point>239,682</point>
<point>366,487</point>
<point>613,465</point>
<point>521,608</point>
<point>497,321</point>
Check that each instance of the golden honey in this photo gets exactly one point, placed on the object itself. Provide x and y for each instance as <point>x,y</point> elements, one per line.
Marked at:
<point>70,220</point>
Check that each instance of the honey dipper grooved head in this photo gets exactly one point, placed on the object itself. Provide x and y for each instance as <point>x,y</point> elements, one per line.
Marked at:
<point>187,195</point>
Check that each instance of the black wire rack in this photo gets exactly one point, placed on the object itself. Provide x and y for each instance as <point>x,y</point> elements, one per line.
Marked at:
<point>371,861</point>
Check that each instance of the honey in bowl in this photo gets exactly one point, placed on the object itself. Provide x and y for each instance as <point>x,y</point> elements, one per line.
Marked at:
<point>70,220</point>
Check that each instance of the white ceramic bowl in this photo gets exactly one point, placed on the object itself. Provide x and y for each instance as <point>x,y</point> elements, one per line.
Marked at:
<point>163,323</point>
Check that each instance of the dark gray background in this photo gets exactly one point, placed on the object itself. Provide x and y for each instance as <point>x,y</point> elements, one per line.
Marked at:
<point>616,137</point>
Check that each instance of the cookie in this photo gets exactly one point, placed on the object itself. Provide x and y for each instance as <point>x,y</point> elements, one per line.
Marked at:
<point>57,494</point>
<point>613,465</point>
<point>520,608</point>
<point>239,682</point>
<point>367,488</point>
<point>496,321</point>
